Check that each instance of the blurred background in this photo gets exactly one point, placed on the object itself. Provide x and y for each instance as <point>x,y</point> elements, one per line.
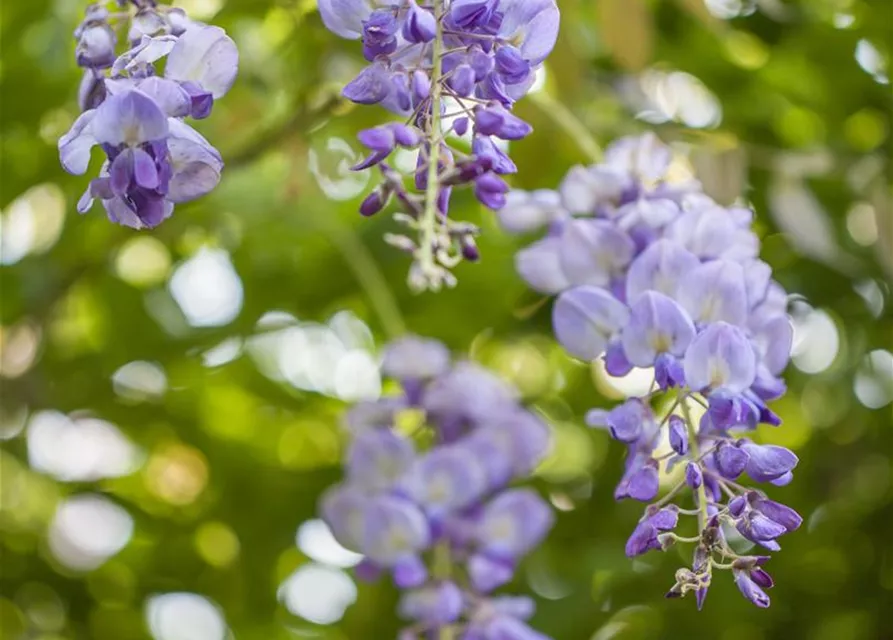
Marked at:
<point>171,399</point>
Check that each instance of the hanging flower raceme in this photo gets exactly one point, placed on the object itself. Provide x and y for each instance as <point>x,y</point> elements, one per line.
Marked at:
<point>654,274</point>
<point>450,68</point>
<point>154,160</point>
<point>434,506</point>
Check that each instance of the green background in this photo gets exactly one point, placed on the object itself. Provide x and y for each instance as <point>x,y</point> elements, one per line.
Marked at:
<point>234,460</point>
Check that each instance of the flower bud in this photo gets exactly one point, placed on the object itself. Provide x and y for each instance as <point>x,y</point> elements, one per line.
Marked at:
<point>374,202</point>
<point>694,478</point>
<point>420,25</point>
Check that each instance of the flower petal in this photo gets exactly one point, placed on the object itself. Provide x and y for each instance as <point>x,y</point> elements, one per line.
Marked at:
<point>594,251</point>
<point>585,318</point>
<point>75,146</point>
<point>656,325</point>
<point>207,56</point>
<point>196,164</point>
<point>534,22</point>
<point>168,95</point>
<point>540,266</point>
<point>344,17</point>
<point>131,118</point>
<point>720,356</point>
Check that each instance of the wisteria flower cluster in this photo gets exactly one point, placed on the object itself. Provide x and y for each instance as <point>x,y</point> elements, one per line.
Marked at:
<point>435,507</point>
<point>654,274</point>
<point>154,160</point>
<point>465,62</point>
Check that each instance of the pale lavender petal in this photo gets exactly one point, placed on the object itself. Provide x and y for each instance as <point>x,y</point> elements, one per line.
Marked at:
<point>533,23</point>
<point>513,523</point>
<point>661,267</point>
<point>653,214</point>
<point>526,211</point>
<point>644,156</point>
<point>720,357</point>
<point>344,17</point>
<point>393,529</point>
<point>85,202</point>
<point>594,251</point>
<point>118,211</point>
<point>343,508</point>
<point>509,628</point>
<point>584,189</point>
<point>540,266</point>
<point>447,478</point>
<point>487,574</point>
<point>378,458</point>
<point>207,56</point>
<point>148,51</point>
<point>412,357</point>
<point>75,146</point>
<point>715,292</point>
<point>168,95</point>
<point>774,340</point>
<point>585,319</point>
<point>195,163</point>
<point>757,276</point>
<point>710,232</point>
<point>656,325</point>
<point>130,118</point>
<point>434,604</point>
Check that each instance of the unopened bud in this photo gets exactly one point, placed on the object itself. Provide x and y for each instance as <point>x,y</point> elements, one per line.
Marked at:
<point>374,202</point>
<point>469,249</point>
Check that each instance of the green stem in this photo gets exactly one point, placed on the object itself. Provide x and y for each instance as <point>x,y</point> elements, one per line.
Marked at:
<point>429,217</point>
<point>693,447</point>
<point>565,118</point>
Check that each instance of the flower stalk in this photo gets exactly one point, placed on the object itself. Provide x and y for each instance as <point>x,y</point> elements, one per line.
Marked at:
<point>431,273</point>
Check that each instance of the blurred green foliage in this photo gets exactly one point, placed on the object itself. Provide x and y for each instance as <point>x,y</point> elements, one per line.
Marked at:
<point>782,101</point>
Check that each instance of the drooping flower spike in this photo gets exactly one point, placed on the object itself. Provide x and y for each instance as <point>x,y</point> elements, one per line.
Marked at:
<point>154,160</point>
<point>654,274</point>
<point>450,69</point>
<point>443,519</point>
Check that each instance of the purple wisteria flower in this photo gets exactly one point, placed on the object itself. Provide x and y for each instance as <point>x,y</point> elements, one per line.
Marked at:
<point>451,69</point>
<point>154,160</point>
<point>436,509</point>
<point>656,275</point>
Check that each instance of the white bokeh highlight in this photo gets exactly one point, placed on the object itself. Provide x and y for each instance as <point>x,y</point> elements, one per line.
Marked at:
<point>87,530</point>
<point>318,593</point>
<point>140,380</point>
<point>336,359</point>
<point>873,384</point>
<point>207,288</point>
<point>330,164</point>
<point>184,616</point>
<point>816,339</point>
<point>80,450</point>
<point>315,540</point>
